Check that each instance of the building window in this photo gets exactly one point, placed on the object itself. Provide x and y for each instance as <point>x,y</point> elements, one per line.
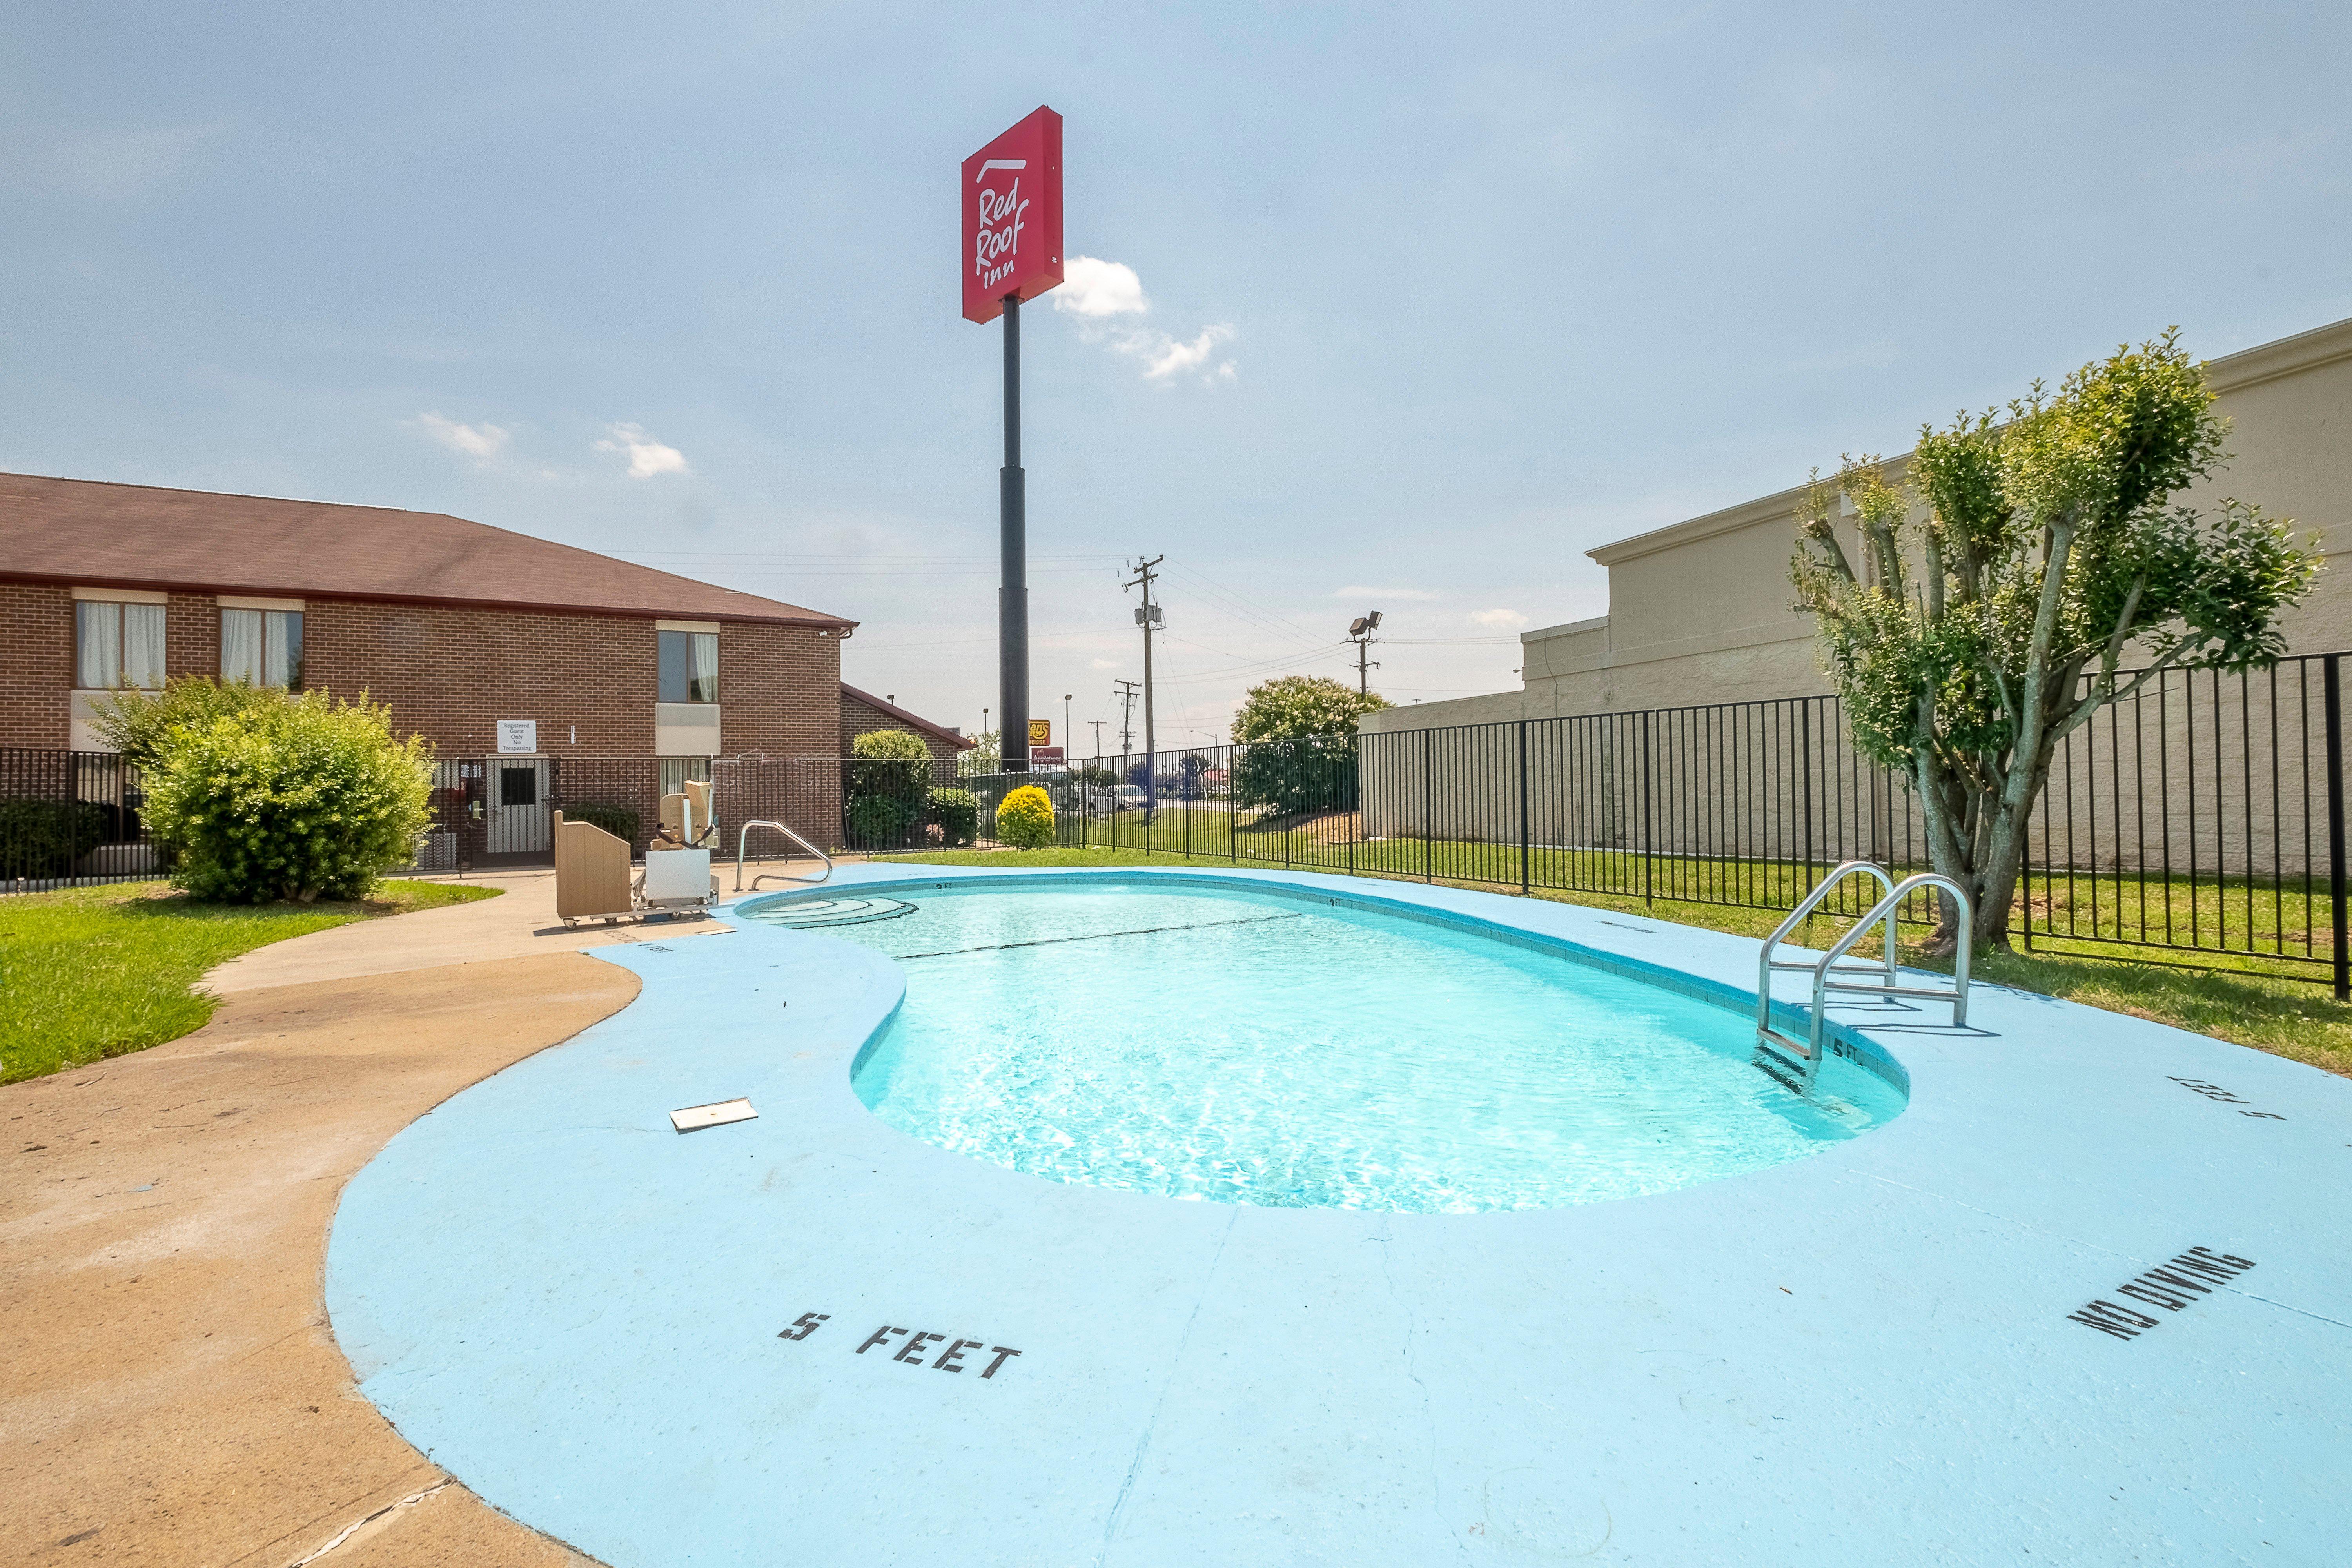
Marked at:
<point>117,645</point>
<point>689,667</point>
<point>262,648</point>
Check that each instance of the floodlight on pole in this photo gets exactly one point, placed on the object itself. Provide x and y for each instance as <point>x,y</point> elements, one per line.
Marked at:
<point>1359,632</point>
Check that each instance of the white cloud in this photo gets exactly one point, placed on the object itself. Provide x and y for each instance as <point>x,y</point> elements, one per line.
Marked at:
<point>1096,291</point>
<point>1106,664</point>
<point>1501,620</point>
<point>482,443</point>
<point>648,457</point>
<point>1357,591</point>
<point>1167,356</point>
<point>1095,288</point>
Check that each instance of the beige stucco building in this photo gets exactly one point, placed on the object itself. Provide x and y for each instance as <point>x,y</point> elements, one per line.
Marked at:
<point>1701,612</point>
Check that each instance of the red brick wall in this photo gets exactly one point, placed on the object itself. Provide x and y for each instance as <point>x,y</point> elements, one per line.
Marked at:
<point>863,718</point>
<point>449,673</point>
<point>36,664</point>
<point>192,634</point>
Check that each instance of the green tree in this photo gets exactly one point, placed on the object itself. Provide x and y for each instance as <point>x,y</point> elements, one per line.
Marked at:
<point>1295,743</point>
<point>986,756</point>
<point>293,797</point>
<point>1976,638</point>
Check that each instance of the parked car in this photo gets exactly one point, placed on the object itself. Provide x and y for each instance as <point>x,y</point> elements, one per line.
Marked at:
<point>1101,800</point>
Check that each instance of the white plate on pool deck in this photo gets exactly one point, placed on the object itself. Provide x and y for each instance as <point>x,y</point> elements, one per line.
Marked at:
<point>694,1118</point>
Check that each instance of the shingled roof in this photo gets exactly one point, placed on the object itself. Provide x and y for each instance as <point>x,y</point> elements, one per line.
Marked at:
<point>97,534</point>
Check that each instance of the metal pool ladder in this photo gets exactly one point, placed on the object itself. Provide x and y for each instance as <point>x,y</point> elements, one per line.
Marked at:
<point>1803,1057</point>
<point>778,876</point>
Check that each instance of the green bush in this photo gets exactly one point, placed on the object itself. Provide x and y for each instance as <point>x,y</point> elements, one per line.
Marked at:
<point>1026,820</point>
<point>298,797</point>
<point>139,724</point>
<point>957,814</point>
<point>618,820</point>
<point>890,763</point>
<point>45,838</point>
<point>876,821</point>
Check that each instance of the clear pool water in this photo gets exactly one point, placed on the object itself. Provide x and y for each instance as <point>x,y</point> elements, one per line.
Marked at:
<point>1244,1048</point>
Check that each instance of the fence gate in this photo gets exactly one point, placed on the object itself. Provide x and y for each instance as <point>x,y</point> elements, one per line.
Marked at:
<point>516,812</point>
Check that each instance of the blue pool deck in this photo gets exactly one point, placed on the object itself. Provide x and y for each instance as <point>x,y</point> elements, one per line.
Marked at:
<point>704,1347</point>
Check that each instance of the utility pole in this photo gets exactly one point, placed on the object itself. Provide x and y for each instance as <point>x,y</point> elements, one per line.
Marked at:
<point>1359,632</point>
<point>1147,615</point>
<point>1097,724</point>
<point>1127,690</point>
<point>1069,740</point>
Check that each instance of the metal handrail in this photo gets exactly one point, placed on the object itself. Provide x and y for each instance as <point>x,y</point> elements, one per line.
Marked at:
<point>1766,964</point>
<point>1823,986</point>
<point>1827,964</point>
<point>779,876</point>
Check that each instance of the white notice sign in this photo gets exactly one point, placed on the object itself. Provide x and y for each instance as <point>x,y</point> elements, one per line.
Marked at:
<point>519,735</point>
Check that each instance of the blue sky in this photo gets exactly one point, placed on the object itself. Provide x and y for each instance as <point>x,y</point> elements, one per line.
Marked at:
<point>1459,292</point>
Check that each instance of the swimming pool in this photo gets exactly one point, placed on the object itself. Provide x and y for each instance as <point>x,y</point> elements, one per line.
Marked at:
<point>727,1345</point>
<point>1214,1043</point>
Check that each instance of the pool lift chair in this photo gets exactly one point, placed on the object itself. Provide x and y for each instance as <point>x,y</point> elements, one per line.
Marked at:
<point>1797,1063</point>
<point>592,866</point>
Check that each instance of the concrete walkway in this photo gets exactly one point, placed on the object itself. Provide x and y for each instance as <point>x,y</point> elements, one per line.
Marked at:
<point>519,923</point>
<point>172,1393</point>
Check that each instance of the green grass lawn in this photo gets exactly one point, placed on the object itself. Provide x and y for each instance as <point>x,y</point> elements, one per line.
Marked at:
<point>96,972</point>
<point>2232,1001</point>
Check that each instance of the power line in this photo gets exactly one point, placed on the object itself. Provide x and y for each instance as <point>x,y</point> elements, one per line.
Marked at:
<point>1249,610</point>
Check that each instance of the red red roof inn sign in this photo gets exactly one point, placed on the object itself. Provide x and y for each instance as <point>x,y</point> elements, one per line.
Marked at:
<point>1011,191</point>
<point>1012,216</point>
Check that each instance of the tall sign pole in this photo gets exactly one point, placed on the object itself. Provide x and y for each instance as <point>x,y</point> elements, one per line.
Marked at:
<point>1013,593</point>
<point>1012,243</point>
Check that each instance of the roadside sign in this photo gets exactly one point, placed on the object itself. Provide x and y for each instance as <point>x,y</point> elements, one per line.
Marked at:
<point>1045,753</point>
<point>1041,733</point>
<point>1010,197</point>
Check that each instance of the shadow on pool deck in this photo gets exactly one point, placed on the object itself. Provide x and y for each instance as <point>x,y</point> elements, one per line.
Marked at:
<point>173,1394</point>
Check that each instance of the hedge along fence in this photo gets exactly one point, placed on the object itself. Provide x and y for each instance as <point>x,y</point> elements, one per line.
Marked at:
<point>71,818</point>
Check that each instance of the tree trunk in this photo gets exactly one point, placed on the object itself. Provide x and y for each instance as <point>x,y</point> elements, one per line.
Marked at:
<point>1987,865</point>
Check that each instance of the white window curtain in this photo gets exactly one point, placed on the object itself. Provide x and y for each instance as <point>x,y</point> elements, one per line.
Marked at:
<point>705,679</point>
<point>142,646</point>
<point>98,645</point>
<point>241,647</point>
<point>281,648</point>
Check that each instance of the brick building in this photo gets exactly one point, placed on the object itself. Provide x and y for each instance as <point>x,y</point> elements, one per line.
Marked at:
<point>495,645</point>
<point>862,712</point>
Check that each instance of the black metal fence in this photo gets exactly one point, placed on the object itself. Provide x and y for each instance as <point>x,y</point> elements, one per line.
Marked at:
<point>69,819</point>
<point>2198,821</point>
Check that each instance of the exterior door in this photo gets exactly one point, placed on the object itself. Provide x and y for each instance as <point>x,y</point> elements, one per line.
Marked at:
<point>518,788</point>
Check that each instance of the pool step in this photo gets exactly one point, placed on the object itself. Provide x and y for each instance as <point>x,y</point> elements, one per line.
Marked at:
<point>1786,1061</point>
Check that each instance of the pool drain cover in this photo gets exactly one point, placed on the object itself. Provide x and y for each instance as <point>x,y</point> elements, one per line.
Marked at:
<point>819,912</point>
